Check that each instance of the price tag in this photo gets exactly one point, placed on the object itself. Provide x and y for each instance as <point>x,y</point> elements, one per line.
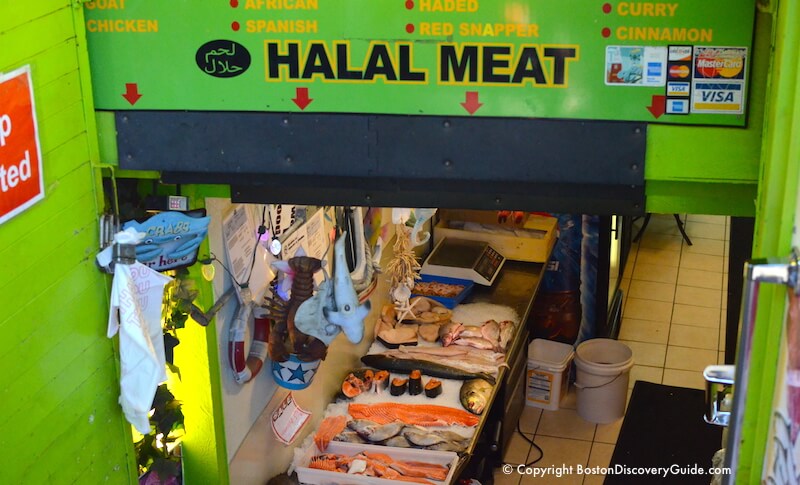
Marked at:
<point>288,420</point>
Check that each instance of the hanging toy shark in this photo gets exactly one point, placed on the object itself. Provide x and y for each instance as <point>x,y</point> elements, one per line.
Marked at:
<point>310,318</point>
<point>349,315</point>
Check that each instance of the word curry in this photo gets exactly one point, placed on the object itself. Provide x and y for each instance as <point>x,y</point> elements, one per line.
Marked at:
<point>540,65</point>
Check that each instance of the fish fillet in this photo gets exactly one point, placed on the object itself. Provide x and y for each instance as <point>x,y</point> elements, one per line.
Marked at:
<point>328,429</point>
<point>419,414</point>
<point>463,361</point>
<point>411,468</point>
<point>487,355</point>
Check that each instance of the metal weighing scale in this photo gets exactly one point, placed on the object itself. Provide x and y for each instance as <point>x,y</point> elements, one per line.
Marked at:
<point>465,259</point>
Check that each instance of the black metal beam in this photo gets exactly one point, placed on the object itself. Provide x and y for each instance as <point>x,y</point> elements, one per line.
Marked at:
<point>574,166</point>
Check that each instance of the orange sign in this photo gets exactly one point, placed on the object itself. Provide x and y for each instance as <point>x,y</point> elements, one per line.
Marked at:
<point>21,183</point>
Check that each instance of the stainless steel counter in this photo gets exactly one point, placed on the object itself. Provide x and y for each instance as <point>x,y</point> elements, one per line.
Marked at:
<point>516,287</point>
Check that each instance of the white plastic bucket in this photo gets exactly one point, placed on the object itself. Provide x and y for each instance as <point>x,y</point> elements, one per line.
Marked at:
<point>603,369</point>
<point>548,373</point>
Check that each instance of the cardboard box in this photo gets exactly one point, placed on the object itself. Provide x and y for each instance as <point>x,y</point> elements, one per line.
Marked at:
<point>517,248</point>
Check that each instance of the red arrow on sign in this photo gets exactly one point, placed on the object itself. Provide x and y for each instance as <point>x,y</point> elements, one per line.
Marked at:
<point>657,105</point>
<point>132,93</point>
<point>472,104</point>
<point>302,100</point>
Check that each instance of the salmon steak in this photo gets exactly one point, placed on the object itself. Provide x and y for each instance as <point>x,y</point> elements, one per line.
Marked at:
<point>418,414</point>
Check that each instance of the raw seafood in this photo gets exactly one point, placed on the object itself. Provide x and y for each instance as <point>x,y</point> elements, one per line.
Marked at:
<point>506,333</point>
<point>415,382</point>
<point>421,437</point>
<point>349,437</point>
<point>467,359</point>
<point>425,310</point>
<point>429,332</point>
<point>488,356</point>
<point>357,466</point>
<point>328,429</point>
<point>357,382</point>
<point>419,414</point>
<point>379,465</point>
<point>447,446</point>
<point>477,342</point>
<point>437,288</point>
<point>399,386</point>
<point>443,440</point>
<point>411,468</point>
<point>433,388</point>
<point>380,381</point>
<point>398,442</point>
<point>471,331</point>
<point>395,337</point>
<point>435,369</point>
<point>491,332</point>
<point>449,332</point>
<point>489,336</point>
<point>351,386</point>
<point>475,395</point>
<point>380,432</point>
<point>359,425</point>
<point>452,436</point>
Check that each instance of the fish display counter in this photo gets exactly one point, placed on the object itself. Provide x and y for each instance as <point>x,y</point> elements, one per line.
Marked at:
<point>438,380</point>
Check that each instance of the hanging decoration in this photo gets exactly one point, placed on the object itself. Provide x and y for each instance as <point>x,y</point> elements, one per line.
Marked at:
<point>307,323</point>
<point>347,314</point>
<point>403,269</point>
<point>285,338</point>
<point>171,239</point>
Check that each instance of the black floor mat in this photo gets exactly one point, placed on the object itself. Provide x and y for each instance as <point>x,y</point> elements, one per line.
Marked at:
<point>664,427</point>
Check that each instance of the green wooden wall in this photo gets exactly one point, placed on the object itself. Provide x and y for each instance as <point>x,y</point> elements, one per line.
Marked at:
<point>59,417</point>
<point>712,170</point>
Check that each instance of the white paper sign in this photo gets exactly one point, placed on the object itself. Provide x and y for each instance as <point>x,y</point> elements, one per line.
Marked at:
<point>312,237</point>
<point>239,232</point>
<point>282,216</point>
<point>288,420</point>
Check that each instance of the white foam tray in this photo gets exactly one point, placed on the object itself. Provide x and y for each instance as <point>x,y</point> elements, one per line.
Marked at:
<point>313,476</point>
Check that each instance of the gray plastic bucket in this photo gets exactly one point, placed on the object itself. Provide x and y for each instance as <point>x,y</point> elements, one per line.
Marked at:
<point>603,369</point>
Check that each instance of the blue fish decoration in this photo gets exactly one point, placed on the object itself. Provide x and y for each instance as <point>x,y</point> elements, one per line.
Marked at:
<point>348,315</point>
<point>171,239</point>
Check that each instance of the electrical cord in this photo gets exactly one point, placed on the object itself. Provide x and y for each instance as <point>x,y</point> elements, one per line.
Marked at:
<point>262,229</point>
<point>213,258</point>
<point>541,453</point>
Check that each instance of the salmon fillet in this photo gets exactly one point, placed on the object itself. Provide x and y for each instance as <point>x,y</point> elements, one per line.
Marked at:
<point>419,414</point>
<point>328,429</point>
<point>416,469</point>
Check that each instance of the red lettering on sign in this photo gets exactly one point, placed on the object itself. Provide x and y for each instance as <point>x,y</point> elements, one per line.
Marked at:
<point>20,157</point>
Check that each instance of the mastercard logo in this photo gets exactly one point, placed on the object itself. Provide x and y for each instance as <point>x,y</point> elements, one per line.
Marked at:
<point>679,72</point>
<point>720,66</point>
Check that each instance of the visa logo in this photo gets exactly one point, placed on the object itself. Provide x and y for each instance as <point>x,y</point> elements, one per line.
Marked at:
<point>677,89</point>
<point>717,96</point>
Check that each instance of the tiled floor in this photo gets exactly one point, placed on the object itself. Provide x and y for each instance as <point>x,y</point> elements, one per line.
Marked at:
<point>673,319</point>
